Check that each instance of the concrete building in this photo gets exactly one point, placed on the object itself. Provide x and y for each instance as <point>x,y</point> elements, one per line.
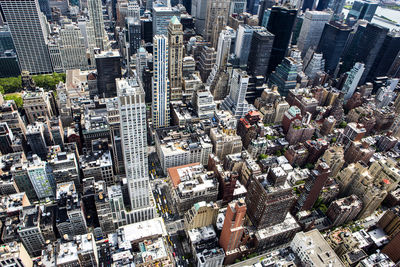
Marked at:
<point>96,18</point>
<point>162,16</point>
<point>161,84</point>
<point>190,184</point>
<point>313,250</point>
<point>352,80</point>
<point>176,147</point>
<point>37,105</point>
<point>236,102</point>
<point>344,210</point>
<point>98,165</point>
<point>311,29</point>
<point>16,255</point>
<point>203,102</point>
<point>225,140</point>
<point>216,19</point>
<point>175,54</point>
<point>201,214</point>
<point>28,30</point>
<point>132,110</point>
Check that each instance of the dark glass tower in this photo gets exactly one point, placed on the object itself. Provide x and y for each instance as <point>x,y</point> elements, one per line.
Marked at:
<point>280,24</point>
<point>308,4</point>
<point>108,69</point>
<point>332,44</point>
<point>133,34</point>
<point>362,10</point>
<point>386,56</point>
<point>260,51</point>
<point>364,47</point>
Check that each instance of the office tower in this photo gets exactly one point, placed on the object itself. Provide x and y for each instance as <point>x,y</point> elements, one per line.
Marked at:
<point>199,12</point>
<point>232,230</point>
<point>284,76</point>
<point>336,6</point>
<point>311,29</point>
<point>236,102</point>
<point>243,43</point>
<point>96,18</point>
<point>364,47</point>
<point>362,10</point>
<point>386,56</point>
<point>316,65</point>
<point>223,48</point>
<point>260,52</point>
<point>216,19</point>
<point>45,8</point>
<point>352,80</point>
<point>308,5</point>
<point>29,231</point>
<point>332,43</point>
<point>36,140</point>
<point>72,48</point>
<point>313,187</point>
<point>29,34</point>
<point>162,16</point>
<point>267,204</point>
<point>322,5</point>
<point>133,34</point>
<point>280,24</point>
<point>175,54</point>
<point>161,95</point>
<point>263,12</point>
<point>206,62</point>
<point>41,178</point>
<point>133,125</point>
<point>108,65</point>
<point>237,7</point>
<point>252,6</point>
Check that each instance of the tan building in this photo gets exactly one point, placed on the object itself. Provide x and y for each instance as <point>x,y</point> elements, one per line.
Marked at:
<point>225,141</point>
<point>175,54</point>
<point>334,157</point>
<point>216,19</point>
<point>201,214</point>
<point>37,105</point>
<point>15,254</point>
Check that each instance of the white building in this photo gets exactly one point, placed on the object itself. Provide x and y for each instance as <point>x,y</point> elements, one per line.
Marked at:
<point>96,18</point>
<point>160,98</point>
<point>132,112</point>
<point>353,77</point>
<point>28,30</point>
<point>311,29</point>
<point>236,102</point>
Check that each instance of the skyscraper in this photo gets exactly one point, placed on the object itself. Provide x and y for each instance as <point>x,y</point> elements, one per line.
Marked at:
<point>236,102</point>
<point>232,229</point>
<point>162,15</point>
<point>216,19</point>
<point>352,80</point>
<point>260,52</point>
<point>133,125</point>
<point>199,12</point>
<point>285,75</point>
<point>362,10</point>
<point>364,47</point>
<point>108,65</point>
<point>332,43</point>
<point>133,34</point>
<point>280,24</point>
<point>311,29</point>
<point>161,95</point>
<point>243,43</point>
<point>96,17</point>
<point>175,54</point>
<point>27,26</point>
<point>237,7</point>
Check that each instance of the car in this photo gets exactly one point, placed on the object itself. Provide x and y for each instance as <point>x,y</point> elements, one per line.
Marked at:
<point>173,253</point>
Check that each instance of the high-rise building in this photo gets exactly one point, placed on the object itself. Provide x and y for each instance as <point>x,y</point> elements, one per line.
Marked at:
<point>280,24</point>
<point>315,65</point>
<point>232,229</point>
<point>108,65</point>
<point>161,94</point>
<point>260,52</point>
<point>133,34</point>
<point>285,75</point>
<point>216,19</point>
<point>199,12</point>
<point>352,80</point>
<point>133,125</point>
<point>175,54</point>
<point>96,17</point>
<point>364,47</point>
<point>243,43</point>
<point>332,43</point>
<point>362,10</point>
<point>41,178</point>
<point>36,139</point>
<point>386,56</point>
<point>313,187</point>
<point>267,204</point>
<point>311,29</point>
<point>28,31</point>
<point>162,16</point>
<point>236,102</point>
<point>237,7</point>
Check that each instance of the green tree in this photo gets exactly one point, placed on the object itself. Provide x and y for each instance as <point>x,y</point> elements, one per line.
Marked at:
<point>278,153</point>
<point>343,124</point>
<point>333,140</point>
<point>10,84</point>
<point>262,156</point>
<point>309,166</point>
<point>16,97</point>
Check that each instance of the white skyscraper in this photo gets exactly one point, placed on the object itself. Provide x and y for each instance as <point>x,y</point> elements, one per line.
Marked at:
<point>236,100</point>
<point>96,17</point>
<point>28,30</point>
<point>311,29</point>
<point>72,47</point>
<point>132,112</point>
<point>353,77</point>
<point>161,95</point>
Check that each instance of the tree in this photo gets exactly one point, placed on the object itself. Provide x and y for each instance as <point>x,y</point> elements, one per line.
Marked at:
<point>278,153</point>
<point>333,140</point>
<point>343,124</point>
<point>309,166</point>
<point>10,84</point>
<point>17,99</point>
<point>263,156</point>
